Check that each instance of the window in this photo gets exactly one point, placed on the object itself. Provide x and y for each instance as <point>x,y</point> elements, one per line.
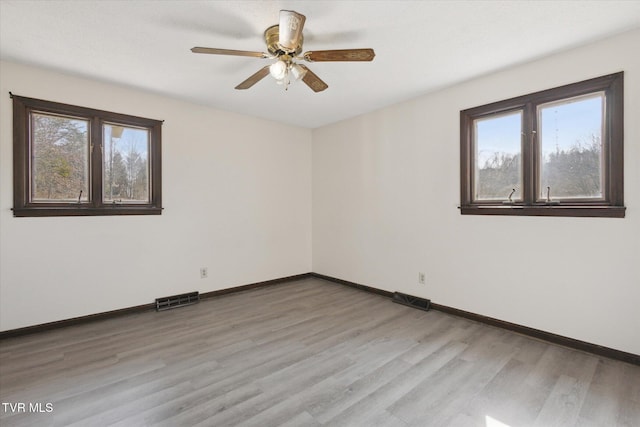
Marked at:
<point>558,152</point>
<point>71,160</point>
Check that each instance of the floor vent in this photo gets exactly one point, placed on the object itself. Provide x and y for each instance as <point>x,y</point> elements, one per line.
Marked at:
<point>177,301</point>
<point>411,301</point>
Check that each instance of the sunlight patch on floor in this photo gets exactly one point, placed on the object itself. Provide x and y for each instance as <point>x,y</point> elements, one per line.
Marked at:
<point>492,422</point>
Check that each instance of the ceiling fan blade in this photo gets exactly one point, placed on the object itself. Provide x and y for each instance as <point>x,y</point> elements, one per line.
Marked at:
<point>313,81</point>
<point>215,51</point>
<point>255,78</point>
<point>340,55</point>
<point>290,30</point>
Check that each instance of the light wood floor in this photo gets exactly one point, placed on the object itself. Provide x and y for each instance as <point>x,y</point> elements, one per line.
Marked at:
<point>308,353</point>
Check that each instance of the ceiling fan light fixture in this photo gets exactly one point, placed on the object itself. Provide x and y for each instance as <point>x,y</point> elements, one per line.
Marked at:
<point>297,72</point>
<point>278,70</point>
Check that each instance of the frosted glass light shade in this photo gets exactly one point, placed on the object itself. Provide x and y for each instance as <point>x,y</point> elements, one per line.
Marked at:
<point>297,71</point>
<point>278,70</point>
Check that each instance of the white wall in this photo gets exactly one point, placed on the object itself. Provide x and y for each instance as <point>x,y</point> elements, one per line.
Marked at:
<point>237,200</point>
<point>385,197</point>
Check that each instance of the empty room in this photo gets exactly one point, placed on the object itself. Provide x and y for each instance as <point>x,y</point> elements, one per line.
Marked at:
<point>319,213</point>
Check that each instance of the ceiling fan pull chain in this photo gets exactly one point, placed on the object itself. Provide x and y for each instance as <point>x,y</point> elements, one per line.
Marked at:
<point>286,79</point>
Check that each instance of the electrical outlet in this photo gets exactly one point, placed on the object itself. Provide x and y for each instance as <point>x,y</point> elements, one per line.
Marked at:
<point>422,278</point>
<point>204,273</point>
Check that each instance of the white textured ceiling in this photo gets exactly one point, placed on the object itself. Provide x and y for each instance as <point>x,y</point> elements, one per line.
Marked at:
<point>421,46</point>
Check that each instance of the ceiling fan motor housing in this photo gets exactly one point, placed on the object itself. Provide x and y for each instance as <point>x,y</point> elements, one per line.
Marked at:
<point>272,37</point>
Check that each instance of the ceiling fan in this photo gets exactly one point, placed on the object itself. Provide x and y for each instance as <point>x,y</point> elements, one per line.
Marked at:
<point>284,43</point>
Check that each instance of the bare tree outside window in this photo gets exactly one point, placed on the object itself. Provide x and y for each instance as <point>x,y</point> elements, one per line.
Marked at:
<point>557,152</point>
<point>126,164</point>
<point>76,161</point>
<point>59,158</point>
<point>571,147</point>
<point>498,153</point>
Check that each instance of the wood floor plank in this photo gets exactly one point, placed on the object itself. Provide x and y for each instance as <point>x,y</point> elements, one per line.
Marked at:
<point>398,387</point>
<point>352,393</point>
<point>501,399</point>
<point>307,353</point>
<point>302,419</point>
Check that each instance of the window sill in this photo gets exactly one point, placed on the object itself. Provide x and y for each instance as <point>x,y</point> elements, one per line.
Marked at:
<point>544,210</point>
<point>41,211</point>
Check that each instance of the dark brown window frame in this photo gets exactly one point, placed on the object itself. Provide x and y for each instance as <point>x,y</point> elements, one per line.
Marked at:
<point>612,204</point>
<point>24,207</point>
